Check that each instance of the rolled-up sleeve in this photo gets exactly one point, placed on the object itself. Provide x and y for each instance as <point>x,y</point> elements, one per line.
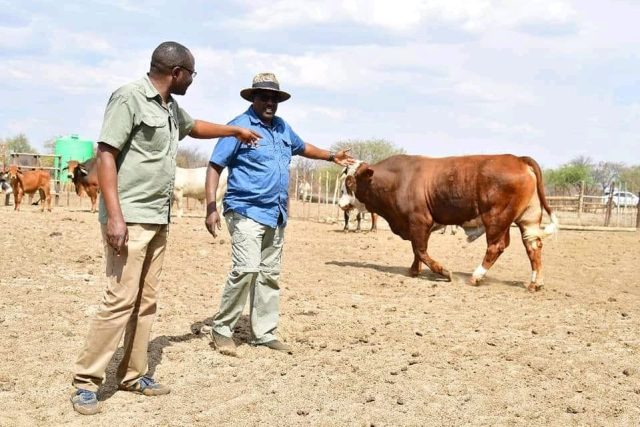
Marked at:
<point>185,123</point>
<point>297,144</point>
<point>224,151</point>
<point>118,122</point>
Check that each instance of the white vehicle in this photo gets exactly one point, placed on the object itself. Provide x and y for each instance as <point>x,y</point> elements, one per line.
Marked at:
<point>621,198</point>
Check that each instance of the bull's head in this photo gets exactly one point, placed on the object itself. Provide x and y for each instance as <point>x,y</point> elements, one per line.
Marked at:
<point>348,199</point>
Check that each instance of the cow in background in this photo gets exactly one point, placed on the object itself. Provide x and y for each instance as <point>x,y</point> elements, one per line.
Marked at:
<point>190,183</point>
<point>85,179</point>
<point>5,186</point>
<point>28,182</point>
<point>348,203</point>
<point>485,192</point>
<point>304,191</point>
<point>453,229</point>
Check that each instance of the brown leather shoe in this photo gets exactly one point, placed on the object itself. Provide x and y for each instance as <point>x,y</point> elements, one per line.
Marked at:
<point>224,345</point>
<point>278,346</point>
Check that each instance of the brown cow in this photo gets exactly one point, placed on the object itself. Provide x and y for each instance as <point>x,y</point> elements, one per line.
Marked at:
<point>85,179</point>
<point>486,192</point>
<point>28,182</point>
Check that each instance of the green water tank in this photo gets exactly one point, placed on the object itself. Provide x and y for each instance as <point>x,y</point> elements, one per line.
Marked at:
<point>72,147</point>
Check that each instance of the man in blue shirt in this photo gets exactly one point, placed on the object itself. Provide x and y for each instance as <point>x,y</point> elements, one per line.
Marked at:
<point>255,210</point>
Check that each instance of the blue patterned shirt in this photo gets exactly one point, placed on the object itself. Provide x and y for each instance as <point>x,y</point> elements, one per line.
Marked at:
<point>258,185</point>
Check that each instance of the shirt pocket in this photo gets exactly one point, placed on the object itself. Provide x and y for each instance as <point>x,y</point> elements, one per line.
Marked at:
<point>259,156</point>
<point>153,133</point>
<point>285,153</point>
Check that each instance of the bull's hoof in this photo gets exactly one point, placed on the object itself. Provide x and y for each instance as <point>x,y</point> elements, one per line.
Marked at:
<point>414,273</point>
<point>534,287</point>
<point>447,274</point>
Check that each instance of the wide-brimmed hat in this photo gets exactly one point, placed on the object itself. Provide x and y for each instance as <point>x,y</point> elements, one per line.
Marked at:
<point>264,81</point>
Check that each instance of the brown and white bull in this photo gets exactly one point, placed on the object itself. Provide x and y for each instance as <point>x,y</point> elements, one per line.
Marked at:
<point>28,182</point>
<point>85,179</point>
<point>190,183</point>
<point>484,193</point>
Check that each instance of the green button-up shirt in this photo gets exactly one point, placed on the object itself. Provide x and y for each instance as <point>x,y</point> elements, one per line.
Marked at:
<point>147,135</point>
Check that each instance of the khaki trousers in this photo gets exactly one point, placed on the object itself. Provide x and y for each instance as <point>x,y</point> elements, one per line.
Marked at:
<point>256,253</point>
<point>128,307</point>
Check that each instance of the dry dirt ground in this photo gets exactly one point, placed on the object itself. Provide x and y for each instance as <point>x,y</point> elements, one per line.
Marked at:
<point>372,345</point>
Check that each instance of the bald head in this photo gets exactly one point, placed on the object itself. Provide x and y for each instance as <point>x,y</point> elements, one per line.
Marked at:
<point>168,55</point>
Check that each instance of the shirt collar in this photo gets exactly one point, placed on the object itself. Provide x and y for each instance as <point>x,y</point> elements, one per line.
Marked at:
<point>150,90</point>
<point>277,124</point>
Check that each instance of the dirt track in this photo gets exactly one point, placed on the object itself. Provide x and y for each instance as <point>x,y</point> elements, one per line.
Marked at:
<point>373,346</point>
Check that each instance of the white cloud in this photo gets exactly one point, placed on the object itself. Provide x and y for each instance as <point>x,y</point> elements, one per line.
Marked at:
<point>15,37</point>
<point>49,38</point>
<point>524,130</point>
<point>71,77</point>
<point>408,15</point>
<point>70,41</point>
<point>309,112</point>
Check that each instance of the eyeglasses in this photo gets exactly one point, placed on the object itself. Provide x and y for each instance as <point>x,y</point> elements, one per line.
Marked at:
<point>191,72</point>
<point>264,97</point>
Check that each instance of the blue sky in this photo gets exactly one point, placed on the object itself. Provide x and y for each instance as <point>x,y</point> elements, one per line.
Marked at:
<point>551,79</point>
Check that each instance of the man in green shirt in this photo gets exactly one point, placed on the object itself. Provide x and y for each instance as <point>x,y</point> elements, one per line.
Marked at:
<point>136,164</point>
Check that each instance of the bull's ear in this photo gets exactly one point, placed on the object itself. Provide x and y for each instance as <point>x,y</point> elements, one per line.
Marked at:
<point>83,171</point>
<point>349,182</point>
<point>368,172</point>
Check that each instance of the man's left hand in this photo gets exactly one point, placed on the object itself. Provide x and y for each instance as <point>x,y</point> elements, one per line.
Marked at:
<point>343,158</point>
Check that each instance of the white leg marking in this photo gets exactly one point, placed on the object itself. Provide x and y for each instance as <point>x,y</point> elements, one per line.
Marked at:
<point>479,272</point>
<point>534,276</point>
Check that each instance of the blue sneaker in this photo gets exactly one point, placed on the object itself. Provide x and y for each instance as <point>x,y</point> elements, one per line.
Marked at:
<point>85,402</point>
<point>147,386</point>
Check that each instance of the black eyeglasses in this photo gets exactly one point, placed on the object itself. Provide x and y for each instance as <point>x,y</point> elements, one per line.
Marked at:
<point>264,97</point>
<point>191,72</point>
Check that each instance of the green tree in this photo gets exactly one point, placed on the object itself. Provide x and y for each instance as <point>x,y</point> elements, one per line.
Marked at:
<point>631,177</point>
<point>569,176</point>
<point>369,150</point>
<point>49,146</point>
<point>18,144</point>
<point>605,173</point>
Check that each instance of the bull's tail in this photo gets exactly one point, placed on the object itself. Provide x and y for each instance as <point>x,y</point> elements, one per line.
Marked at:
<point>554,225</point>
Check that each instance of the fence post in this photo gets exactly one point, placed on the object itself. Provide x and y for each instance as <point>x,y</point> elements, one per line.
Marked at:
<point>335,195</point>
<point>638,212</point>
<point>319,193</point>
<point>295,188</point>
<point>581,202</point>
<point>326,190</point>
<point>308,204</point>
<point>607,215</point>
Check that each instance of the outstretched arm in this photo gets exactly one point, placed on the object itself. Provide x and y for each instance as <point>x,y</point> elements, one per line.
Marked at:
<point>207,130</point>
<point>342,157</point>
